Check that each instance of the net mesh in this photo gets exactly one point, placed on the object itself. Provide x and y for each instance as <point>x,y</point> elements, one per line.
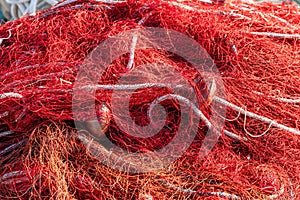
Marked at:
<point>254,46</point>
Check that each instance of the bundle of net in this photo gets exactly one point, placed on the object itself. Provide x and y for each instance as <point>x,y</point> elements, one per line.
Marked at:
<point>151,100</point>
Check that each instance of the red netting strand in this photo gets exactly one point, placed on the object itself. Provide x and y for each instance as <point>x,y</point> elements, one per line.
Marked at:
<point>256,49</point>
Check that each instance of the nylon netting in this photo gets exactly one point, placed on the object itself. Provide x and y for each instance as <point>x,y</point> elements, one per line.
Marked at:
<point>254,46</point>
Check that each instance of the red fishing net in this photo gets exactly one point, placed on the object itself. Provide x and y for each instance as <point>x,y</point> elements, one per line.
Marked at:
<point>256,50</point>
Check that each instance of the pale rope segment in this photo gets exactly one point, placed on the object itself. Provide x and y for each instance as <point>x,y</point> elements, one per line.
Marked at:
<point>256,116</point>
<point>255,136</point>
<point>131,86</point>
<point>6,38</point>
<point>19,8</point>
<point>194,107</point>
<point>222,194</point>
<point>284,21</point>
<point>187,102</point>
<point>95,147</point>
<point>12,147</point>
<point>10,94</point>
<point>277,35</point>
<point>241,7</point>
<point>189,191</point>
<point>33,3</point>
<point>225,194</point>
<point>22,176</point>
<point>281,99</point>
<point>240,16</point>
<point>102,1</point>
<point>234,136</point>
<point>14,177</point>
<point>190,8</point>
<point>178,4</point>
<point>198,112</point>
<point>6,133</point>
<point>135,87</point>
<point>183,100</point>
<point>133,46</point>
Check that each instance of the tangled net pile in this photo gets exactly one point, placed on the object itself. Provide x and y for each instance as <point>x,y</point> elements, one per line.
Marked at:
<point>255,47</point>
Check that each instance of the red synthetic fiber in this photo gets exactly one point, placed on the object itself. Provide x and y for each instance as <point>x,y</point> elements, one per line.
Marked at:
<point>42,57</point>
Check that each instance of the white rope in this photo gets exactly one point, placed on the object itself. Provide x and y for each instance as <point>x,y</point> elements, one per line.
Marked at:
<point>99,151</point>
<point>233,14</point>
<point>255,136</point>
<point>130,86</point>
<point>12,175</point>
<point>190,8</point>
<point>19,8</point>
<point>281,99</point>
<point>283,21</point>
<point>64,3</point>
<point>189,191</point>
<point>181,99</point>
<point>103,1</point>
<point>112,1</point>
<point>10,94</point>
<point>13,178</point>
<point>230,120</point>
<point>185,101</point>
<point>169,96</point>
<point>133,46</point>
<point>1,39</point>
<point>187,7</point>
<point>223,194</point>
<point>5,133</point>
<point>277,35</point>
<point>12,147</point>
<point>234,136</point>
<point>255,116</point>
